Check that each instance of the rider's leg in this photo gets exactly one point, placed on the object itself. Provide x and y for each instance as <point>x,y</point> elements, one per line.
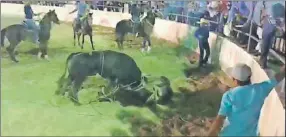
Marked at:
<point>32,25</point>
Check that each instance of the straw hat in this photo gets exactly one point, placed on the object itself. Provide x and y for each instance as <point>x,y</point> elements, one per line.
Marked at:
<point>203,21</point>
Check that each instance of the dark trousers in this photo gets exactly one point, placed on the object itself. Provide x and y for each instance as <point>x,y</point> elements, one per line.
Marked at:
<point>204,47</point>
<point>268,36</point>
<point>266,44</point>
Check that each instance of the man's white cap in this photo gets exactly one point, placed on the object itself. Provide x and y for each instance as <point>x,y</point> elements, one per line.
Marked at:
<point>240,72</point>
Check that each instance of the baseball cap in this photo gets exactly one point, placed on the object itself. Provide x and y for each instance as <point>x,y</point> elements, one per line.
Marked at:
<point>240,72</point>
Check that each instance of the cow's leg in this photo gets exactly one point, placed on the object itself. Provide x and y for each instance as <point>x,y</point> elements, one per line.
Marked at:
<point>76,84</point>
<point>91,41</point>
<point>11,53</point>
<point>64,85</point>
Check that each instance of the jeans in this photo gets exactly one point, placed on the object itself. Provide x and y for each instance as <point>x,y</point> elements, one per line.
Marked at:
<point>204,47</point>
<point>31,24</point>
<point>265,48</point>
<point>136,22</point>
<point>267,41</point>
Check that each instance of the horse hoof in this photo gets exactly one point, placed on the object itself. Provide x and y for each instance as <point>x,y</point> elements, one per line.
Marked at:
<point>47,57</point>
<point>16,61</point>
<point>39,55</point>
<point>77,104</point>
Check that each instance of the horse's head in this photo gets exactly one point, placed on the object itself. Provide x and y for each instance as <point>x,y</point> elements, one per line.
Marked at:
<point>53,16</point>
<point>90,19</point>
<point>151,16</point>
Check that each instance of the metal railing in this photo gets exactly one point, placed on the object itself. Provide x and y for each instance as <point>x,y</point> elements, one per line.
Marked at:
<point>278,48</point>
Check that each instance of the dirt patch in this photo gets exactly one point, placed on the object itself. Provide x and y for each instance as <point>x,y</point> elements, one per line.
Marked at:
<point>191,111</point>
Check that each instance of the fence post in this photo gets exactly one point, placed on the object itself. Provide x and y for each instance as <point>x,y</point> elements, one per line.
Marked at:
<point>126,8</point>
<point>249,36</point>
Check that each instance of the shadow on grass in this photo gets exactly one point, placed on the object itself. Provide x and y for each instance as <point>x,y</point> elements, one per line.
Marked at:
<point>35,51</point>
<point>140,125</point>
<point>118,132</point>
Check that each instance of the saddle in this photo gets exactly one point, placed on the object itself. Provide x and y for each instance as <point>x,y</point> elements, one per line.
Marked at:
<point>24,23</point>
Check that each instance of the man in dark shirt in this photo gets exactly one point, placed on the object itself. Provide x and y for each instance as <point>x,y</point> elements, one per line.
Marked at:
<point>29,14</point>
<point>202,34</point>
<point>135,16</point>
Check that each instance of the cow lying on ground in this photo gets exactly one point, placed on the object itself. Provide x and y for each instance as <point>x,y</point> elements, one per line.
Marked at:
<point>118,68</point>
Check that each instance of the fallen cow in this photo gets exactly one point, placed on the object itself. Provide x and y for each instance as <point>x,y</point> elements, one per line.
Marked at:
<point>118,68</point>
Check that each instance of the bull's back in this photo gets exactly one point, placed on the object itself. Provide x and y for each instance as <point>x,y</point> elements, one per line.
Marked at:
<point>123,64</point>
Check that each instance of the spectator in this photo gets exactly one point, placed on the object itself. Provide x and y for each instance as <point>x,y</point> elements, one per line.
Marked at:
<point>198,9</point>
<point>240,106</point>
<point>202,34</point>
<point>213,9</point>
<point>269,12</point>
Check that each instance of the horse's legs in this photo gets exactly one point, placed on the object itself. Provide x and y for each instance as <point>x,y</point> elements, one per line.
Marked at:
<point>91,41</point>
<point>78,38</point>
<point>149,44</point>
<point>43,50</point>
<point>76,84</point>
<point>74,37</point>
<point>11,53</point>
<point>119,40</point>
<point>82,42</point>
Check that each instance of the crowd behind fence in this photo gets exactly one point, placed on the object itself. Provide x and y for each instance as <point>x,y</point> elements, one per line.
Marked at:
<point>179,11</point>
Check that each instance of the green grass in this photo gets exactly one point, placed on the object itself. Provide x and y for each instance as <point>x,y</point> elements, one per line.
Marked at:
<point>29,106</point>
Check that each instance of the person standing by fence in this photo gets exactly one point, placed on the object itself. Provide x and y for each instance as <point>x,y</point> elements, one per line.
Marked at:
<point>270,12</point>
<point>202,34</point>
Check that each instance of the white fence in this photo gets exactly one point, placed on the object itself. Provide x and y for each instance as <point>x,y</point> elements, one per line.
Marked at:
<point>272,119</point>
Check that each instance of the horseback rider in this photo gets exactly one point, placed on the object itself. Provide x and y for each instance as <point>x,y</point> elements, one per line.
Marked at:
<point>83,10</point>
<point>135,16</point>
<point>31,24</point>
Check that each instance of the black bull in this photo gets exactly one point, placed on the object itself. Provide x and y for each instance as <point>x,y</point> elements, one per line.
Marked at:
<point>118,68</point>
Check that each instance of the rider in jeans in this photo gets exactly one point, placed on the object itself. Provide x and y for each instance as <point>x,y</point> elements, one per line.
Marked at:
<point>82,8</point>
<point>29,13</point>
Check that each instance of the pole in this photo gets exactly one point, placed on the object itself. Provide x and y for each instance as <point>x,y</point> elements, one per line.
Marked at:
<point>249,36</point>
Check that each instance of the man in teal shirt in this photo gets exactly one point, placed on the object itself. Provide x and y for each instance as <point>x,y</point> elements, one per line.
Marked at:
<point>82,9</point>
<point>240,106</point>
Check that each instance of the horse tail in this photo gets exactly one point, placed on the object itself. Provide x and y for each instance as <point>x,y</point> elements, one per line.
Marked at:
<point>3,32</point>
<point>62,78</point>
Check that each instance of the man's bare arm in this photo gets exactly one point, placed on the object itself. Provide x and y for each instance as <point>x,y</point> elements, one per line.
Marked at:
<point>280,75</point>
<point>216,126</point>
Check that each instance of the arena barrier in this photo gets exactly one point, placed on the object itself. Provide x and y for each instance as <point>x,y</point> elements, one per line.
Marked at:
<point>272,118</point>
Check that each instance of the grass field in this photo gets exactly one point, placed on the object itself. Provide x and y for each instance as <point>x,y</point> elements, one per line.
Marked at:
<point>29,106</point>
